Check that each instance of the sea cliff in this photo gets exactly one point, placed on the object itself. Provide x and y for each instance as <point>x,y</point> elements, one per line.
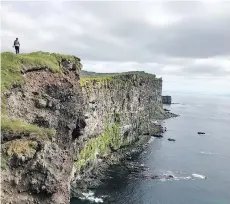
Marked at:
<point>58,127</point>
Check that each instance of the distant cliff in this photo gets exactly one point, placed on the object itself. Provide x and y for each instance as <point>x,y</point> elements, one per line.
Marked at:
<point>124,105</point>
<point>56,127</point>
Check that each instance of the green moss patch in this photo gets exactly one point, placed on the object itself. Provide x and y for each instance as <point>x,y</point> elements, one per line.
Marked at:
<point>21,127</point>
<point>21,147</point>
<point>101,146</point>
<point>11,65</point>
<point>3,163</point>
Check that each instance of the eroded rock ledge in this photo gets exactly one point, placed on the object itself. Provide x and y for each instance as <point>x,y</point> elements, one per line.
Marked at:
<point>57,128</point>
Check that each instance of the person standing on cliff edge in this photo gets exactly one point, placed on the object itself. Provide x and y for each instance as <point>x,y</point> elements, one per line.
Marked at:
<point>16,45</point>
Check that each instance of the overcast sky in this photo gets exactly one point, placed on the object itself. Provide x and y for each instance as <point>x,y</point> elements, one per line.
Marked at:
<point>185,43</point>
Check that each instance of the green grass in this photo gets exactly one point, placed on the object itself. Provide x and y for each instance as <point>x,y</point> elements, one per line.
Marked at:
<point>3,163</point>
<point>11,65</point>
<point>21,127</point>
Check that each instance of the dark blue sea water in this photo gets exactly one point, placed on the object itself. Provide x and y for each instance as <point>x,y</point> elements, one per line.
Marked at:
<point>190,158</point>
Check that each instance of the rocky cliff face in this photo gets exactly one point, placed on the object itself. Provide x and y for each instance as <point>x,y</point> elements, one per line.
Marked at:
<point>119,111</point>
<point>41,123</point>
<point>57,128</point>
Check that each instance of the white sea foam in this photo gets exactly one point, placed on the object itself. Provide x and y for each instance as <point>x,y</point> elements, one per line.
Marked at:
<point>90,196</point>
<point>151,140</point>
<point>208,153</point>
<point>199,176</point>
<point>177,178</point>
<point>163,179</point>
<point>183,178</point>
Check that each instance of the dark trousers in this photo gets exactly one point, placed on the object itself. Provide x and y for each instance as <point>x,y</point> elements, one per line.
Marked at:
<point>17,49</point>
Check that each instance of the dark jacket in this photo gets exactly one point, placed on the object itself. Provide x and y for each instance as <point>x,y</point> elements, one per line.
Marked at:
<point>16,43</point>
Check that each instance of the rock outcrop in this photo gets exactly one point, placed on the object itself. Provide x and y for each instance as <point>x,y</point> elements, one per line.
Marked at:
<point>57,128</point>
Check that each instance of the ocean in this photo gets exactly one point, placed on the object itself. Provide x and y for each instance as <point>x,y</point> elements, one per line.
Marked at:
<point>199,164</point>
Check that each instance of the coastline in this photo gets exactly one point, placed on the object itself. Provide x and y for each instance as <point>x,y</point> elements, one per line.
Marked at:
<point>122,157</point>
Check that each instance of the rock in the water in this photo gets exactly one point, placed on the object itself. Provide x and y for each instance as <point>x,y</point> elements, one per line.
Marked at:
<point>162,176</point>
<point>170,139</point>
<point>157,135</point>
<point>201,133</point>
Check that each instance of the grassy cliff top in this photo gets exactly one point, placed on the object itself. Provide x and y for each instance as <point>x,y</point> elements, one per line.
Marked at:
<point>104,78</point>
<point>87,74</point>
<point>11,65</point>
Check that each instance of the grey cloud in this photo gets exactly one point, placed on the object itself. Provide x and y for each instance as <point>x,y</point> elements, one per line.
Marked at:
<point>206,69</point>
<point>195,38</point>
<point>197,35</point>
<point>184,7</point>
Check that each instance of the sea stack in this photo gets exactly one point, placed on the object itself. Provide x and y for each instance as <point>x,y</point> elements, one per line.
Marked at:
<point>166,99</point>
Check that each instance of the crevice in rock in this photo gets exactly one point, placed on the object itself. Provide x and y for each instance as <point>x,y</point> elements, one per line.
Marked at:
<point>41,122</point>
<point>128,96</point>
<point>77,131</point>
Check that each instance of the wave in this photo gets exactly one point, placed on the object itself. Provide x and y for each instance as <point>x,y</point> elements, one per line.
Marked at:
<point>207,153</point>
<point>90,196</point>
<point>199,176</point>
<point>177,178</point>
<point>151,140</point>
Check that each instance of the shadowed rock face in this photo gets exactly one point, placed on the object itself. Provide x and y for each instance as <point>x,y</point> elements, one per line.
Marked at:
<point>40,166</point>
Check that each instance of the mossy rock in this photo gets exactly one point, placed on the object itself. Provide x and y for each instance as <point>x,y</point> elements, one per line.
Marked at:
<point>21,147</point>
<point>3,163</point>
<point>100,146</point>
<point>16,126</point>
